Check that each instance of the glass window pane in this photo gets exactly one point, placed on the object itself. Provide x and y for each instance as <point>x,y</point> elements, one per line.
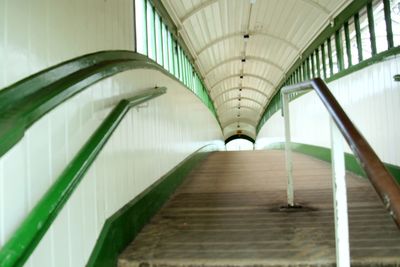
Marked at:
<point>175,53</point>
<point>344,49</point>
<point>151,45</point>
<point>365,36</point>
<point>170,53</point>
<point>380,26</point>
<point>335,67</point>
<point>353,42</point>
<point>329,70</point>
<point>395,16</point>
<point>140,27</point>
<point>165,46</point>
<point>159,40</point>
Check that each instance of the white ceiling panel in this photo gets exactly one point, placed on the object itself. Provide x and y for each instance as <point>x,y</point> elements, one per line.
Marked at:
<point>278,31</point>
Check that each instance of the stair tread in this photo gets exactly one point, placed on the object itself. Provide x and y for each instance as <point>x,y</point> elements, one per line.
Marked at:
<point>231,217</point>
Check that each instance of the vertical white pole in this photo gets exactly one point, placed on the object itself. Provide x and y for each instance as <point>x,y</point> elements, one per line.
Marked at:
<point>288,152</point>
<point>340,198</point>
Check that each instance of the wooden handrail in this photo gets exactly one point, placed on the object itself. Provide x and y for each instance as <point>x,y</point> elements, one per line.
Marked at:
<point>383,182</point>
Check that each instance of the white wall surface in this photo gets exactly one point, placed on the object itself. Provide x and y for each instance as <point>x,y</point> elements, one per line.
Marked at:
<point>37,34</point>
<point>148,143</point>
<point>370,97</point>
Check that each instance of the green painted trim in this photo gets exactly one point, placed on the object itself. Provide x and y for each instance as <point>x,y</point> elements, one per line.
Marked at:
<point>318,63</point>
<point>324,154</point>
<point>323,59</point>
<point>124,225</point>
<point>339,50</point>
<point>371,26</point>
<point>388,21</point>
<point>25,239</point>
<point>274,106</point>
<point>358,36</point>
<point>23,103</point>
<point>345,15</point>
<point>365,63</point>
<point>330,56</point>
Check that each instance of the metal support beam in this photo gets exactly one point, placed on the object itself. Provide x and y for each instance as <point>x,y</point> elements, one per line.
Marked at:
<point>339,198</point>
<point>288,151</point>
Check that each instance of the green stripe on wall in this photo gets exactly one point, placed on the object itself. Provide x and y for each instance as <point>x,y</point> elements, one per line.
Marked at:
<point>122,227</point>
<point>324,154</point>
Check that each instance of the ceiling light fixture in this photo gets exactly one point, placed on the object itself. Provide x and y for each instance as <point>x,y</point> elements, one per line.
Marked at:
<point>246,37</point>
<point>243,60</point>
<point>241,76</point>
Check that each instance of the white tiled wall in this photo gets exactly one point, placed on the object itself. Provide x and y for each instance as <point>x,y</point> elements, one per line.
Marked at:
<point>37,34</point>
<point>149,142</point>
<point>370,97</point>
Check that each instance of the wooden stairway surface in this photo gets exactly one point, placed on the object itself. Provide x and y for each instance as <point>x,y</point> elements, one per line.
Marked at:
<point>227,214</point>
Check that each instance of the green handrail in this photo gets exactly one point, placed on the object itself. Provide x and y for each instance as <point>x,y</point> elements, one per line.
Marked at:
<point>26,101</point>
<point>25,239</point>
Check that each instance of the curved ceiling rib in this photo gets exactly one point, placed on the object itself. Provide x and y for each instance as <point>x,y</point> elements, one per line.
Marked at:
<point>250,58</point>
<point>205,4</point>
<point>243,127</point>
<point>223,111</point>
<point>236,98</point>
<point>238,76</point>
<point>236,123</point>
<point>244,121</point>
<point>236,34</point>
<point>317,6</point>
<point>243,89</point>
<point>197,9</point>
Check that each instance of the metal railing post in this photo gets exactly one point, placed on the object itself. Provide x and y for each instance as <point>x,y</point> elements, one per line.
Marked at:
<point>288,152</point>
<point>339,198</point>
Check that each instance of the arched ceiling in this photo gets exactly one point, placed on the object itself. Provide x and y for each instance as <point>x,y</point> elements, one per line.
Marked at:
<point>243,48</point>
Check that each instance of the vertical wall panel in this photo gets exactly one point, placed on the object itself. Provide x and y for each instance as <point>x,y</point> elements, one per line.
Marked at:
<point>370,97</point>
<point>16,56</point>
<point>150,141</point>
<point>39,34</point>
<point>15,196</point>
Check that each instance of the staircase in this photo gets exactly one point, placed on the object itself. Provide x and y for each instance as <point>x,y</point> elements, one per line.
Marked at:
<point>227,213</point>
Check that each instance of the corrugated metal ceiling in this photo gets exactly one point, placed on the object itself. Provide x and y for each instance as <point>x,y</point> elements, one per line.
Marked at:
<point>242,73</point>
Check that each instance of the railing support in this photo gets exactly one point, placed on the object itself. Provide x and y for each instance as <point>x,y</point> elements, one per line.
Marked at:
<point>339,198</point>
<point>288,151</point>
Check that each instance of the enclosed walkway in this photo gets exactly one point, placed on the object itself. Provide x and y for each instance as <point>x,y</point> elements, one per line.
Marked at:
<point>227,213</point>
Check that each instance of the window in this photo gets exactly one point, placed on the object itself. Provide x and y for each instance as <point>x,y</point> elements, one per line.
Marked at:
<point>353,42</point>
<point>380,26</point>
<point>395,17</point>
<point>151,44</point>
<point>140,26</point>
<point>365,35</point>
<point>165,45</point>
<point>159,39</point>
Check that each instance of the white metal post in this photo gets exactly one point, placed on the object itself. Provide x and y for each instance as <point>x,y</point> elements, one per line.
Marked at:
<point>340,198</point>
<point>288,152</point>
